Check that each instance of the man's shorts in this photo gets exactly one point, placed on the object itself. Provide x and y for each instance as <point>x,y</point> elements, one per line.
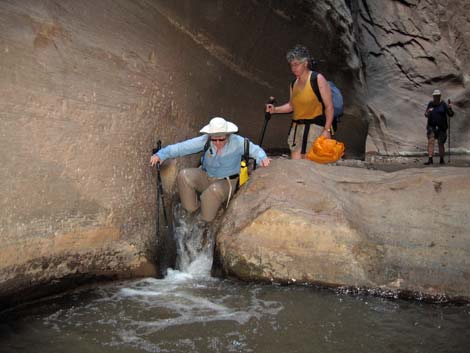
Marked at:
<point>440,135</point>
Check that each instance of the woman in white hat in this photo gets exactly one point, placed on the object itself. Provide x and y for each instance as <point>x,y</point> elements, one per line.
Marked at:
<point>436,128</point>
<point>217,178</point>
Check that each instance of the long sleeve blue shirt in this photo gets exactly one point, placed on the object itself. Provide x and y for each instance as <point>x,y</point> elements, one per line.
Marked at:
<point>216,165</point>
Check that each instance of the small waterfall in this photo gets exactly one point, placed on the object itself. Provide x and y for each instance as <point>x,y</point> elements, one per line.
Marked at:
<point>194,243</point>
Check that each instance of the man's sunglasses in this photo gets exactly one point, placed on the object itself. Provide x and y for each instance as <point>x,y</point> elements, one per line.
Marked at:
<point>218,140</point>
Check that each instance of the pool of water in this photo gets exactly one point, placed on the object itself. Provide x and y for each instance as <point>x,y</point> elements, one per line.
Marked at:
<point>189,311</point>
<point>185,313</point>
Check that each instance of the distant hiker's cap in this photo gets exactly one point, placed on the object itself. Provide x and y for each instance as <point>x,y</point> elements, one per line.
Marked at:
<point>436,92</point>
<point>218,126</point>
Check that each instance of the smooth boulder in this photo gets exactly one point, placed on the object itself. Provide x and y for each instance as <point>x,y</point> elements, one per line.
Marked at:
<point>405,232</point>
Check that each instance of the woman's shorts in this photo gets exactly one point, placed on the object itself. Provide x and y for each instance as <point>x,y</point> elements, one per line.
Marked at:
<point>295,142</point>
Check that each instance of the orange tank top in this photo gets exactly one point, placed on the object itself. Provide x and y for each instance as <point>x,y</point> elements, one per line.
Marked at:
<point>305,102</point>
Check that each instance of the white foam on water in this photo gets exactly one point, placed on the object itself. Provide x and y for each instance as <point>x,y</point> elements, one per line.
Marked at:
<point>175,276</point>
<point>200,266</point>
<point>134,292</point>
<point>138,311</point>
<point>195,244</point>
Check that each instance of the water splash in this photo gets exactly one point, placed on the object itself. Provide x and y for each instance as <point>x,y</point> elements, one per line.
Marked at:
<point>194,243</point>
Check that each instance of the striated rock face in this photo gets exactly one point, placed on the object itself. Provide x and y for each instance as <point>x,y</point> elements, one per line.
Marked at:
<point>86,88</point>
<point>406,231</point>
<point>408,49</point>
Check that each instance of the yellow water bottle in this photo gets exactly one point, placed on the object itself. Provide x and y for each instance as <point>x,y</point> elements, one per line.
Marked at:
<point>243,173</point>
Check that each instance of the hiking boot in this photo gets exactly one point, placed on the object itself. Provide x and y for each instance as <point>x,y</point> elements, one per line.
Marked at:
<point>429,162</point>
<point>441,161</point>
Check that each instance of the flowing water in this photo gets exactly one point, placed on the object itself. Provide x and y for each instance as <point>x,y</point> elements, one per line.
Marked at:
<point>189,311</point>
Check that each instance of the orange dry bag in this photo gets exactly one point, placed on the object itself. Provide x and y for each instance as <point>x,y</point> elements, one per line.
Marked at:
<point>325,150</point>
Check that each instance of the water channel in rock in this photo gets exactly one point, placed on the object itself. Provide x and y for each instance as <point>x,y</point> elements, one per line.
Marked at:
<point>189,311</point>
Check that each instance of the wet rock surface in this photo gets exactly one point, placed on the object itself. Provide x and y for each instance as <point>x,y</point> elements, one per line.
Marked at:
<point>300,222</point>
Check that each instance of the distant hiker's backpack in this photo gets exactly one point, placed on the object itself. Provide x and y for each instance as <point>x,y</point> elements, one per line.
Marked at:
<point>338,103</point>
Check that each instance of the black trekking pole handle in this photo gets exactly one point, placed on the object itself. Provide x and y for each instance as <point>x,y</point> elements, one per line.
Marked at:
<point>159,147</point>
<point>271,100</point>
<point>267,117</point>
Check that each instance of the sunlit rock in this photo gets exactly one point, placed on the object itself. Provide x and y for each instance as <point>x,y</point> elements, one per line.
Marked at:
<point>406,231</point>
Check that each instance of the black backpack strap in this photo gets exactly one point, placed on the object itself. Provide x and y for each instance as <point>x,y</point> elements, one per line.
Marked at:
<point>316,89</point>
<point>246,153</point>
<point>305,137</point>
<point>206,147</point>
<point>292,83</point>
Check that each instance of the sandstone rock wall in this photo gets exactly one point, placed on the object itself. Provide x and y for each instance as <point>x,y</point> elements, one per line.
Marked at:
<point>86,88</point>
<point>408,49</point>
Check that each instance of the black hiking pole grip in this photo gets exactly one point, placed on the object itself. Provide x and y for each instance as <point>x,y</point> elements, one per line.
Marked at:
<point>267,116</point>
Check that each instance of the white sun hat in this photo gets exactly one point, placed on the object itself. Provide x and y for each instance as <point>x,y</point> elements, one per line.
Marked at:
<point>218,126</point>
<point>436,92</point>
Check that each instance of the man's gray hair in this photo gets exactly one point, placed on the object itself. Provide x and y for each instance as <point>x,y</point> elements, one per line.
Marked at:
<point>299,52</point>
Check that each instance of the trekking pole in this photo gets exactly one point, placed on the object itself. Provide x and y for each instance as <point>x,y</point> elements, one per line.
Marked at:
<point>165,247</point>
<point>448,142</point>
<point>160,198</point>
<point>267,116</point>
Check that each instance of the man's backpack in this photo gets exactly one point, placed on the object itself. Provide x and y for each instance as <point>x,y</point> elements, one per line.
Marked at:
<point>338,103</point>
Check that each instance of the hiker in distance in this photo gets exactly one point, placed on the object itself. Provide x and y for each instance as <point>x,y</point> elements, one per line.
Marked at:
<point>217,178</point>
<point>304,104</point>
<point>436,128</point>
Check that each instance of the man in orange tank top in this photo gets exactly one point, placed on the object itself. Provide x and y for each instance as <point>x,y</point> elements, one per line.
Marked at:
<point>304,104</point>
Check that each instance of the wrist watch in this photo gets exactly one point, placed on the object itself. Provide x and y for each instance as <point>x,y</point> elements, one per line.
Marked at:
<point>329,130</point>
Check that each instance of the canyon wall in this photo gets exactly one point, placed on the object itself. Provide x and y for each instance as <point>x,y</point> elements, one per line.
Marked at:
<point>87,88</point>
<point>408,49</point>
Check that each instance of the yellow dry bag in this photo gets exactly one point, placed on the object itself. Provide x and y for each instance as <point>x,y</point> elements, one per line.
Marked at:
<point>243,173</point>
